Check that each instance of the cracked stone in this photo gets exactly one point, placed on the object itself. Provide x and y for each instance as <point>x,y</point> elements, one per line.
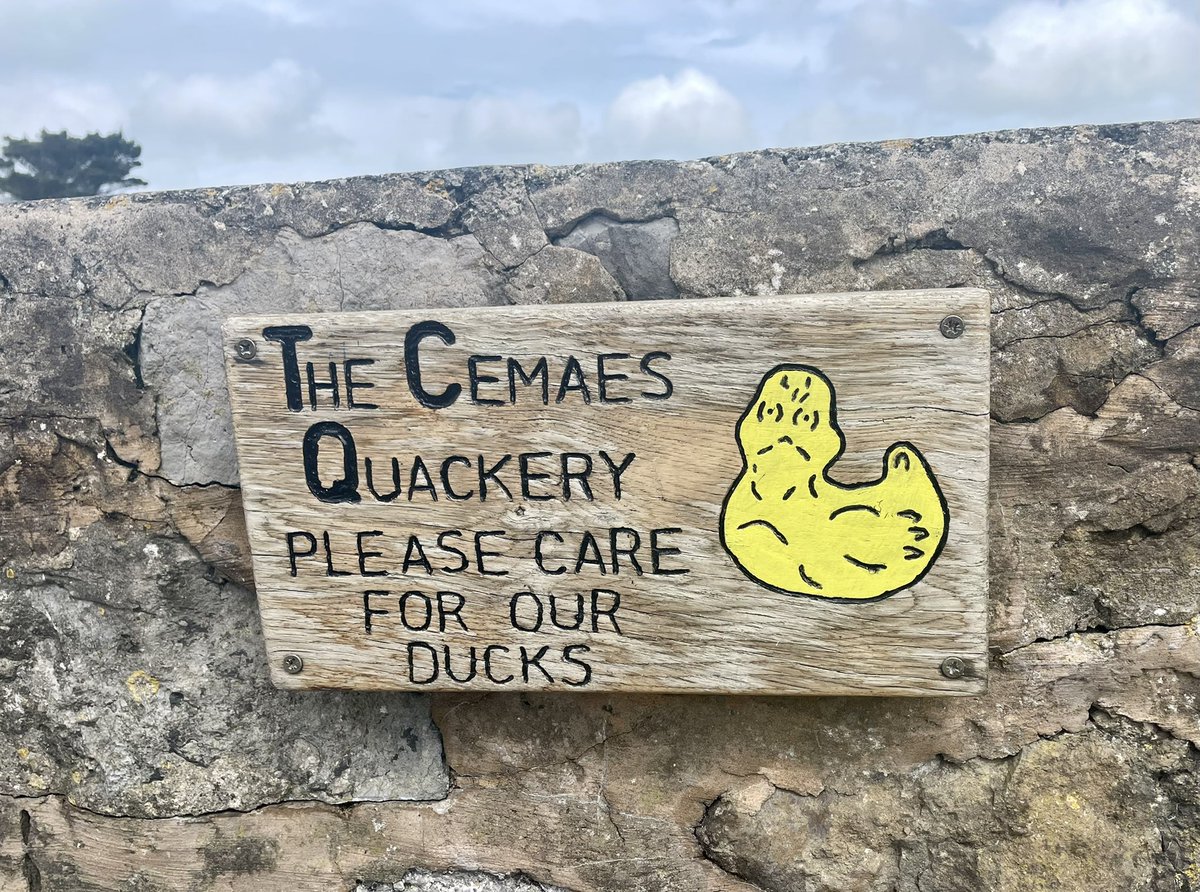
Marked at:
<point>503,218</point>
<point>1035,375</point>
<point>361,267</point>
<point>458,881</point>
<point>1167,311</point>
<point>637,255</point>
<point>135,679</point>
<point>1094,524</point>
<point>1097,809</point>
<point>184,670</point>
<point>1178,374</point>
<point>110,707</point>
<point>561,275</point>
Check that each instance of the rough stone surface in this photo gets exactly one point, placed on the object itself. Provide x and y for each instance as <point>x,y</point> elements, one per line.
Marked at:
<point>1116,802</point>
<point>638,255</point>
<point>558,275</point>
<point>134,676</point>
<point>360,267</point>
<point>142,748</point>
<point>458,881</point>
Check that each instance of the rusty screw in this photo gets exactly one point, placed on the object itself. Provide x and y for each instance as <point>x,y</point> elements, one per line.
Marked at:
<point>952,327</point>
<point>245,349</point>
<point>293,665</point>
<point>954,667</point>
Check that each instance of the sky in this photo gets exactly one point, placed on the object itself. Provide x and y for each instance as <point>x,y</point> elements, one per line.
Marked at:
<point>222,92</point>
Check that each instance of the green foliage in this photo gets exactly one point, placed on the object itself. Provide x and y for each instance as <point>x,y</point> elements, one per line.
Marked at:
<point>57,165</point>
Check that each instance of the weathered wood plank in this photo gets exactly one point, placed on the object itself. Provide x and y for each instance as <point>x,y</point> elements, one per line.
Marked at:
<point>696,520</point>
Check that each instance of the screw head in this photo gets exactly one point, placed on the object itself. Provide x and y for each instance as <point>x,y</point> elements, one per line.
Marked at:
<point>952,327</point>
<point>245,349</point>
<point>293,665</point>
<point>954,667</point>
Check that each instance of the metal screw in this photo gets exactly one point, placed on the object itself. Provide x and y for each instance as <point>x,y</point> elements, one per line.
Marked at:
<point>293,665</point>
<point>245,349</point>
<point>952,327</point>
<point>952,667</point>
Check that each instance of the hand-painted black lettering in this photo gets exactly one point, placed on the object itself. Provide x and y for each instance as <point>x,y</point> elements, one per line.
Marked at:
<point>412,364</point>
<point>617,470</point>
<point>450,669</point>
<point>580,477</point>
<point>486,474</point>
<point>418,618</point>
<point>432,671</point>
<point>528,476</point>
<point>531,619</point>
<point>658,552</point>
<point>487,663</point>
<point>414,556</point>
<point>648,368</point>
<point>287,336</point>
<point>291,546</point>
<point>610,612</point>
<point>604,377</point>
<point>352,385</point>
<point>576,623</point>
<point>538,557</point>
<point>397,486</point>
<point>569,657</point>
<point>314,385</point>
<point>454,611</point>
<point>363,555</point>
<point>369,611</point>
<point>629,551</point>
<point>419,469</point>
<point>589,553</point>
<point>330,570</point>
<point>573,380</point>
<point>476,378</point>
<point>344,489</point>
<point>480,554</point>
<point>540,370</point>
<point>451,492</point>
<point>462,555</point>
<point>534,661</point>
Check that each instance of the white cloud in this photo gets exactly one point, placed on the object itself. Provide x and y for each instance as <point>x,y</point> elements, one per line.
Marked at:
<point>31,104</point>
<point>288,12</point>
<point>909,68</point>
<point>690,114</point>
<point>776,50</point>
<point>901,51</point>
<point>52,36</point>
<point>683,116</point>
<point>1053,55</point>
<point>386,133</point>
<point>272,111</point>
<point>828,122</point>
<point>378,85</point>
<point>395,132</point>
<point>476,14</point>
<point>506,131</point>
<point>772,50</point>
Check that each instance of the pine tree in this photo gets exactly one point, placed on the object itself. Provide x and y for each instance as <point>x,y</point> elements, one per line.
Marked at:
<point>57,165</point>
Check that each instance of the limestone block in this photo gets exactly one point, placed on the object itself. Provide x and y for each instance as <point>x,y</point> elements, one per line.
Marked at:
<point>142,747</point>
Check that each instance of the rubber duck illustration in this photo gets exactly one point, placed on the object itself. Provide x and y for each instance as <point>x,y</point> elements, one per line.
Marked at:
<point>791,527</point>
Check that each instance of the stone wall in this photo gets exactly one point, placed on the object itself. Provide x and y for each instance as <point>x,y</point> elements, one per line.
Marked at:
<point>143,748</point>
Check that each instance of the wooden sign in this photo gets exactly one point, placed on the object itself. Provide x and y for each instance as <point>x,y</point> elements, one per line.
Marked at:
<point>775,495</point>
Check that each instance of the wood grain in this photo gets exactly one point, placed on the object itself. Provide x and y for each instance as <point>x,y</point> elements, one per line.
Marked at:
<point>713,628</point>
